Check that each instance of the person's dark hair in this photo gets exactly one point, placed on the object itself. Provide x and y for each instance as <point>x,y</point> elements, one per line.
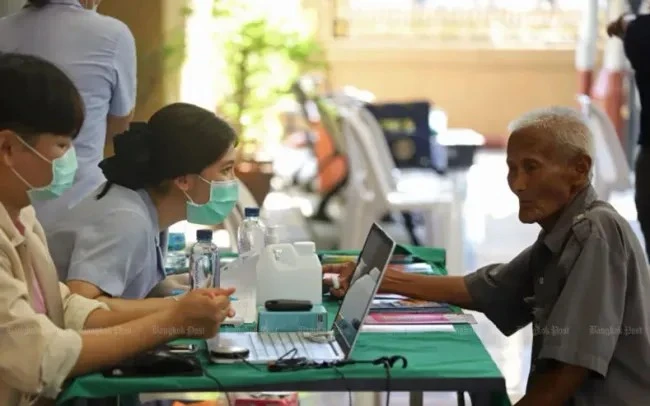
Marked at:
<point>36,97</point>
<point>179,139</point>
<point>38,3</point>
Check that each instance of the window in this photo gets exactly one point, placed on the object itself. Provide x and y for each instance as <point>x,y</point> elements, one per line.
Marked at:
<point>465,23</point>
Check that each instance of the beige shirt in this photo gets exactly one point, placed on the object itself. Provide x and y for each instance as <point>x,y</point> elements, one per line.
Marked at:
<point>37,351</point>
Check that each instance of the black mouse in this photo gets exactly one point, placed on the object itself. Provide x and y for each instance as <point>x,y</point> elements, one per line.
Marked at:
<point>156,364</point>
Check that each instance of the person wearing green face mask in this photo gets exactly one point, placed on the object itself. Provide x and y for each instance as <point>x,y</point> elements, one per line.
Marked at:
<point>177,166</point>
<point>44,327</point>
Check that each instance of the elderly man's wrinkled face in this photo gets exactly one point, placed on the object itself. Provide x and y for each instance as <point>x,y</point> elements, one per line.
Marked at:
<point>543,181</point>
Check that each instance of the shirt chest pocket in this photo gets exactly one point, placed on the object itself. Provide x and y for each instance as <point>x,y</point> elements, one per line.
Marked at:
<point>547,290</point>
<point>548,285</point>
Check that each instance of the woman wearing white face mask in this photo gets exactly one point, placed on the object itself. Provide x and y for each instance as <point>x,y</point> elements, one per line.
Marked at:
<point>42,338</point>
<point>98,53</point>
<point>178,166</point>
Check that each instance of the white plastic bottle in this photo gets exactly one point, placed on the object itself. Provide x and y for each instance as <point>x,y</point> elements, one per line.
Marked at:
<point>290,271</point>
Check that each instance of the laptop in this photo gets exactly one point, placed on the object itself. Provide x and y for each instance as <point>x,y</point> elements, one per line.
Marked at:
<point>371,265</point>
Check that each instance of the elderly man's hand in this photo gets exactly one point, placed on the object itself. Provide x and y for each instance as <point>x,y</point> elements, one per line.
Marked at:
<point>344,273</point>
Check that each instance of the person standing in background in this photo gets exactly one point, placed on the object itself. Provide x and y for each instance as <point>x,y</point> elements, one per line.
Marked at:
<point>634,31</point>
<point>98,53</point>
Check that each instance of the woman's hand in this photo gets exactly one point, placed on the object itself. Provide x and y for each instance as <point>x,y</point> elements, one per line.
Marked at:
<point>214,292</point>
<point>344,273</point>
<point>200,312</point>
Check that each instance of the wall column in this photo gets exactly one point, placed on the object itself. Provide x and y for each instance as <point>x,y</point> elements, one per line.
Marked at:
<point>609,89</point>
<point>159,31</point>
<point>586,47</point>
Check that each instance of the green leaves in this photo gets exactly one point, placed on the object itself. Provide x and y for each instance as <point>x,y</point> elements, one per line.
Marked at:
<point>263,57</point>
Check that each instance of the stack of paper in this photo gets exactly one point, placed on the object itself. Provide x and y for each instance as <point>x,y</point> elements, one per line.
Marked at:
<point>394,313</point>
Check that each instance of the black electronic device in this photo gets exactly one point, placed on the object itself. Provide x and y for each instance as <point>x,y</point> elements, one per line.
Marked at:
<point>156,364</point>
<point>281,305</point>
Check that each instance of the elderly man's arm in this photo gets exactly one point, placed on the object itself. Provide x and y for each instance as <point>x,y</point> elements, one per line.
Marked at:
<point>590,306</point>
<point>555,387</point>
<point>496,290</point>
<point>447,289</point>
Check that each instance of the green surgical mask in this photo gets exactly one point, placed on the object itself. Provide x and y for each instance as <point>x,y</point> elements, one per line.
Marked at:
<point>64,169</point>
<point>223,198</point>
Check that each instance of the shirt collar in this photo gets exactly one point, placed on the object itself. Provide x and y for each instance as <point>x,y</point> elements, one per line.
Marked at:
<point>570,214</point>
<point>27,218</point>
<point>76,3</point>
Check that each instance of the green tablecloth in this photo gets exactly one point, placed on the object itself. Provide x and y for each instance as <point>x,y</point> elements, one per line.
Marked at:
<point>450,361</point>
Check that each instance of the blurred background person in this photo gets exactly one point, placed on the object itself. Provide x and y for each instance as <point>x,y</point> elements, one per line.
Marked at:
<point>98,53</point>
<point>634,31</point>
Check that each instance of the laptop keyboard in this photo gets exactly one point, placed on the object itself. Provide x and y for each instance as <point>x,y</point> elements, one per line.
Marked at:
<point>275,345</point>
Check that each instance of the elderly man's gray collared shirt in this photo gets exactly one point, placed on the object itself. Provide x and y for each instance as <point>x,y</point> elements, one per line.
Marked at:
<point>585,288</point>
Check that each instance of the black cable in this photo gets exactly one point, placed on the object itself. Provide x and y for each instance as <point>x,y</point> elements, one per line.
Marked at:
<point>388,363</point>
<point>345,385</point>
<point>220,388</point>
<point>290,361</point>
<point>250,364</point>
<point>293,363</point>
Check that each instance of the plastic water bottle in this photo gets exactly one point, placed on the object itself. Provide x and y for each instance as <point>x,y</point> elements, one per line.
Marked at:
<point>204,262</point>
<point>251,233</point>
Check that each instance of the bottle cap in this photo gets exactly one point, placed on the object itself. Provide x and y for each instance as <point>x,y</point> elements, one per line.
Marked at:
<point>204,235</point>
<point>251,212</point>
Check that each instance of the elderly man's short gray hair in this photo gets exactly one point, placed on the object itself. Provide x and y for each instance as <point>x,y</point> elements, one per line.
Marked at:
<point>565,126</point>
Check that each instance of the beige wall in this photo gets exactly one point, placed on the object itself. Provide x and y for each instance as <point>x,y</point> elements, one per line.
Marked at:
<point>156,25</point>
<point>480,89</point>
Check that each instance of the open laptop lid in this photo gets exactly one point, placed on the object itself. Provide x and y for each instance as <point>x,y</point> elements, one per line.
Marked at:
<point>371,265</point>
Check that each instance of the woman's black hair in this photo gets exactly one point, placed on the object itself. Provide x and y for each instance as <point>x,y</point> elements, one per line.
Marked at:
<point>179,139</point>
<point>38,3</point>
<point>36,97</point>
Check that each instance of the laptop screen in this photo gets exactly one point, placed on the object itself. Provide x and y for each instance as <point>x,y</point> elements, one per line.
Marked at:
<point>371,264</point>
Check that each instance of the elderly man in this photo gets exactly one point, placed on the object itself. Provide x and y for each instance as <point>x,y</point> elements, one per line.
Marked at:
<point>584,284</point>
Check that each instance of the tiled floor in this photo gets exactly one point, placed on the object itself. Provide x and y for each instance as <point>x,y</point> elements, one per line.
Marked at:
<point>493,234</point>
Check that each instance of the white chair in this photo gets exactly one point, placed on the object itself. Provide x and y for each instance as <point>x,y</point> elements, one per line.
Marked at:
<point>611,169</point>
<point>404,179</point>
<point>373,191</point>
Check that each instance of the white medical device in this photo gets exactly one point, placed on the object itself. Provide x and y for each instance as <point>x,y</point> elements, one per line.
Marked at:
<point>289,272</point>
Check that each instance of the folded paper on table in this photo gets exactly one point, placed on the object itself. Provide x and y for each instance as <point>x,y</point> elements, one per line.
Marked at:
<point>409,306</point>
<point>407,328</point>
<point>418,318</point>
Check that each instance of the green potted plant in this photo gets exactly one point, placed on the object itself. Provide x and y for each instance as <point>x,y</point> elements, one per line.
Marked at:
<point>262,60</point>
